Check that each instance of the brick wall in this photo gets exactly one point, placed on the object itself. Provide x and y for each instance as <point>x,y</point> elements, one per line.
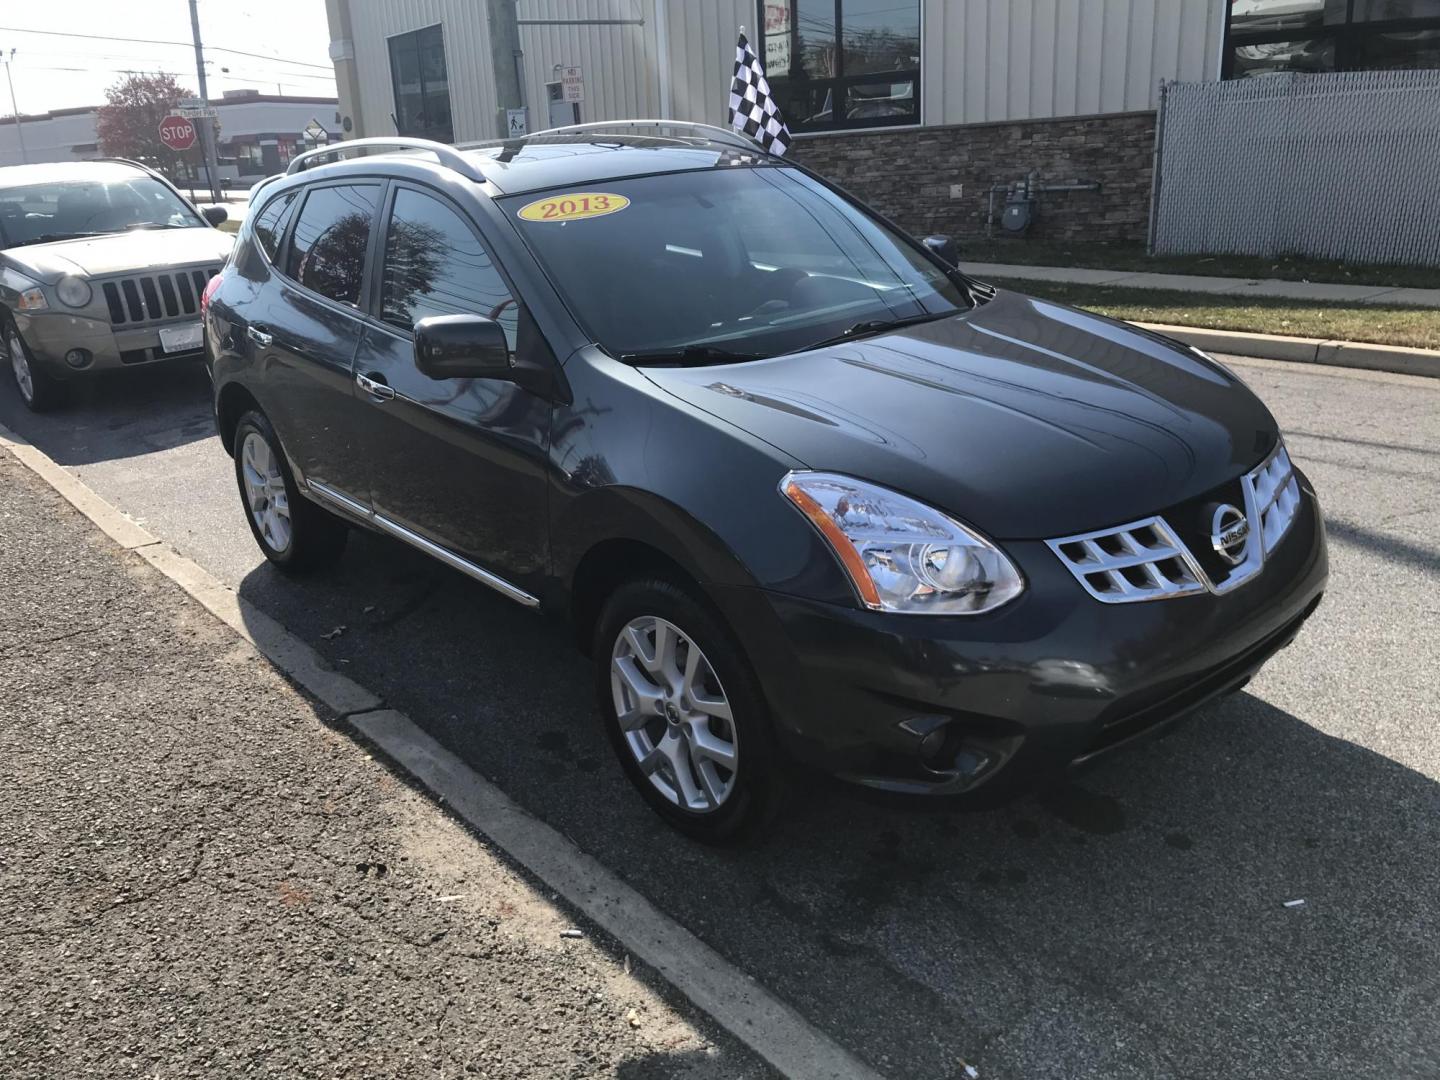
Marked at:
<point>907,174</point>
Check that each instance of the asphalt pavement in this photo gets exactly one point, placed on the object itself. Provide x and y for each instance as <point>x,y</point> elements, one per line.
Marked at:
<point>201,873</point>
<point>1139,923</point>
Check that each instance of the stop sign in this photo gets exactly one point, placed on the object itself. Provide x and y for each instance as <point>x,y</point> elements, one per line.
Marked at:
<point>177,133</point>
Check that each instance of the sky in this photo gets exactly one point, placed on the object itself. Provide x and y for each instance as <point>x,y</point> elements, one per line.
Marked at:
<point>57,70</point>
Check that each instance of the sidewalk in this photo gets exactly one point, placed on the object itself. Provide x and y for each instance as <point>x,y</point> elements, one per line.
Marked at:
<point>1225,286</point>
<point>201,873</point>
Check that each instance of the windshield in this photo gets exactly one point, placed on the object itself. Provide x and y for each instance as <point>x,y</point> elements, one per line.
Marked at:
<point>39,213</point>
<point>752,261</point>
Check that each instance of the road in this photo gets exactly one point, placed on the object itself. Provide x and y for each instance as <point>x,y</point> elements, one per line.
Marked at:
<point>1132,925</point>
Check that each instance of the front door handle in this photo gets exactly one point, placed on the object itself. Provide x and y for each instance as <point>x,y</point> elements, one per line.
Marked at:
<point>260,337</point>
<point>376,387</point>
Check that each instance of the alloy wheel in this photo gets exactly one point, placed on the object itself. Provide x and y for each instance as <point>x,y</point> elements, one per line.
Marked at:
<point>265,491</point>
<point>19,365</point>
<point>674,714</point>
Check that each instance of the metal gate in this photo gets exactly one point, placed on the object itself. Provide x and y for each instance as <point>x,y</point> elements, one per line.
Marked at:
<point>1338,166</point>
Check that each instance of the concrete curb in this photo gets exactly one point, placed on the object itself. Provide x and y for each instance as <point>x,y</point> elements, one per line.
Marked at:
<point>1351,354</point>
<point>755,1017</point>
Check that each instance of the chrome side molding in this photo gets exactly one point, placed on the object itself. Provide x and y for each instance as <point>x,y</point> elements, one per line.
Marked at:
<point>429,547</point>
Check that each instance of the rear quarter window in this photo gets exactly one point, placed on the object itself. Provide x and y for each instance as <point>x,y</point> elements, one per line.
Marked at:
<point>270,223</point>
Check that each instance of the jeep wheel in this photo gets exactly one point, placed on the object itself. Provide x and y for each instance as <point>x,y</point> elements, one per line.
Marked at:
<point>40,391</point>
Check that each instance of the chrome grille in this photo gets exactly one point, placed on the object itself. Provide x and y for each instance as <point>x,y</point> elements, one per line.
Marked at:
<point>1146,560</point>
<point>1140,561</point>
<point>1277,497</point>
<point>151,298</point>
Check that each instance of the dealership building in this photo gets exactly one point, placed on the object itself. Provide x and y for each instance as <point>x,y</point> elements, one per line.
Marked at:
<point>935,110</point>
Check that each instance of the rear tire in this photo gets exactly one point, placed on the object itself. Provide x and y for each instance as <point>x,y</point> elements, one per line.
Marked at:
<point>685,714</point>
<point>295,534</point>
<point>39,390</point>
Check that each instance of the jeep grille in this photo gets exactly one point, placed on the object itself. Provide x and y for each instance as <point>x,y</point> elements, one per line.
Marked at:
<point>156,297</point>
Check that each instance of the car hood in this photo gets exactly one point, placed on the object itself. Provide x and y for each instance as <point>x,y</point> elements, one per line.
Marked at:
<point>1024,418</point>
<point>117,253</point>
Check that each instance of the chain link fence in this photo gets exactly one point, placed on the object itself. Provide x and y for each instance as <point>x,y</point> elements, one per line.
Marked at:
<point>1338,166</point>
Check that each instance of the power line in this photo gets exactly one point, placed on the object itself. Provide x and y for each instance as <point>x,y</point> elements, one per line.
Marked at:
<point>156,41</point>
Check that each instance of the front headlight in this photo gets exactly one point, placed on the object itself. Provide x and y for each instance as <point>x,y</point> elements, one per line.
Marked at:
<point>902,555</point>
<point>73,290</point>
<point>32,300</point>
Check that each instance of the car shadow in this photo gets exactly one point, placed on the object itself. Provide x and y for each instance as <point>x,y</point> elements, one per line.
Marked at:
<point>117,414</point>
<point>1246,897</point>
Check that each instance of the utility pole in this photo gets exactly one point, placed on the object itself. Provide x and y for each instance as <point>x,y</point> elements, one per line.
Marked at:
<point>206,124</point>
<point>505,59</point>
<point>19,130</point>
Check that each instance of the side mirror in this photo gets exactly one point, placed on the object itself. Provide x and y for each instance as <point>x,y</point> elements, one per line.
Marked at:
<point>216,214</point>
<point>944,247</point>
<point>462,347</point>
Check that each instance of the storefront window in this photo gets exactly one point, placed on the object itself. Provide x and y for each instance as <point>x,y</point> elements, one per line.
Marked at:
<point>1265,36</point>
<point>843,63</point>
<point>422,87</point>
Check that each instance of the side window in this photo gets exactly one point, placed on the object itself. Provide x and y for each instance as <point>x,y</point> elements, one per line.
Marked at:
<point>327,250</point>
<point>434,265</point>
<point>270,224</point>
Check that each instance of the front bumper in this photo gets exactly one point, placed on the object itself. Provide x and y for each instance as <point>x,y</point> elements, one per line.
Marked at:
<point>1047,683</point>
<point>51,334</point>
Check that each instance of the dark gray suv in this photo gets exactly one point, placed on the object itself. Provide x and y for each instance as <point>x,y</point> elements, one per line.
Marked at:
<point>806,493</point>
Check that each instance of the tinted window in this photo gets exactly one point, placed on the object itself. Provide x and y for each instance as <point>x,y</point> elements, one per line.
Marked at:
<point>752,260</point>
<point>844,63</point>
<point>434,265</point>
<point>271,222</point>
<point>327,250</point>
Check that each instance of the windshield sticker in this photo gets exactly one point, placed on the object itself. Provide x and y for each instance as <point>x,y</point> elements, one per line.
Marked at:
<point>582,204</point>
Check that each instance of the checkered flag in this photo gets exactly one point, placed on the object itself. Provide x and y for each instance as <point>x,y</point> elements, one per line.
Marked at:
<point>753,111</point>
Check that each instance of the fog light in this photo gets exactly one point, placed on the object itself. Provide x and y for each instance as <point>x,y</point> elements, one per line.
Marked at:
<point>78,358</point>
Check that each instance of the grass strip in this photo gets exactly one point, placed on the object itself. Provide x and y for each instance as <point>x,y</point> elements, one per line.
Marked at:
<point>1404,326</point>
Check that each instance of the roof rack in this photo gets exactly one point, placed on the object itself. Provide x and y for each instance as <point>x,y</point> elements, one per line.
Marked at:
<point>706,132</point>
<point>449,157</point>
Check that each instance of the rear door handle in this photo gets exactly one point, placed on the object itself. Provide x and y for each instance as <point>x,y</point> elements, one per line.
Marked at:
<point>376,388</point>
<point>260,337</point>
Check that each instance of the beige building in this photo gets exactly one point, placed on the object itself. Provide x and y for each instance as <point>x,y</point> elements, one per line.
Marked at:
<point>429,63</point>
<point>940,112</point>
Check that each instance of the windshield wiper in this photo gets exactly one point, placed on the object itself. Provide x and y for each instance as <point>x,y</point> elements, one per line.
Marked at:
<point>876,326</point>
<point>51,237</point>
<point>690,354</point>
<point>155,225</point>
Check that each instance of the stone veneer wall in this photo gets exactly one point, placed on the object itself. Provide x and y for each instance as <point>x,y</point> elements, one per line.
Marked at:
<point>907,174</point>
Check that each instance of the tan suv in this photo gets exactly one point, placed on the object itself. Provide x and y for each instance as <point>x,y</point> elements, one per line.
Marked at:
<point>102,265</point>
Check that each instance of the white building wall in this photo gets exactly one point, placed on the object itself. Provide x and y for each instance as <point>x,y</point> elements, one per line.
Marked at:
<point>1023,59</point>
<point>467,61</point>
<point>50,138</point>
<point>982,60</point>
<point>619,60</point>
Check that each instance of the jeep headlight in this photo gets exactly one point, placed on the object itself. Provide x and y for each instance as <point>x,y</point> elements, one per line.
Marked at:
<point>901,555</point>
<point>73,291</point>
<point>32,300</point>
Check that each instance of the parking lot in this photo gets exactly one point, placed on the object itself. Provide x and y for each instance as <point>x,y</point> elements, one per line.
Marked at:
<point>1138,923</point>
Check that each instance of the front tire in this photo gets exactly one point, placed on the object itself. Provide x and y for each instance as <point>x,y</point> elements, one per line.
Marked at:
<point>295,534</point>
<point>39,390</point>
<point>684,713</point>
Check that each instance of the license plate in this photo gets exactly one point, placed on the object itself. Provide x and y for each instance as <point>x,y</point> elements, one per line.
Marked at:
<point>181,338</point>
